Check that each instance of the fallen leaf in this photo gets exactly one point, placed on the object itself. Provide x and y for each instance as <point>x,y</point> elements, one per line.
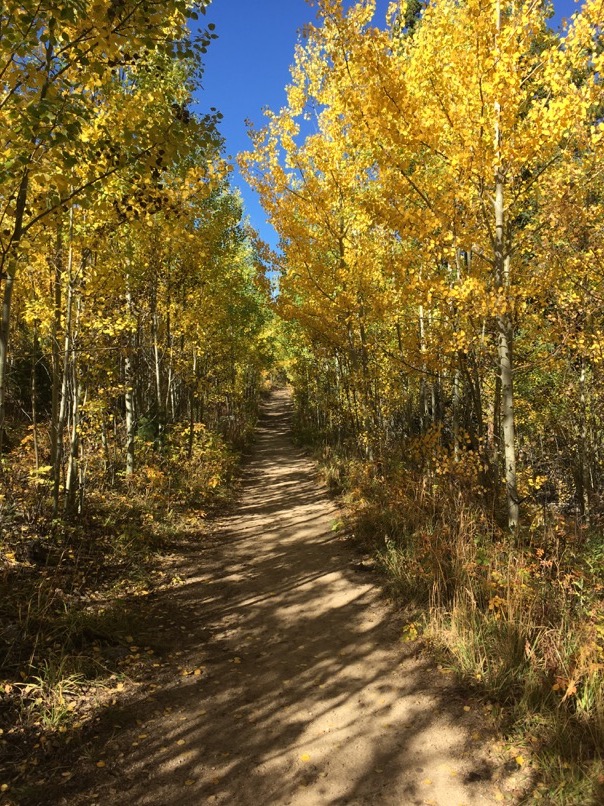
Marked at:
<point>180,741</point>
<point>520,760</point>
<point>101,764</point>
<point>197,672</point>
<point>305,757</point>
<point>189,782</point>
<point>467,708</point>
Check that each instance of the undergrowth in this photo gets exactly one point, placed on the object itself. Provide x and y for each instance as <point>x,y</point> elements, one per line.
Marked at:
<point>70,587</point>
<point>519,617</point>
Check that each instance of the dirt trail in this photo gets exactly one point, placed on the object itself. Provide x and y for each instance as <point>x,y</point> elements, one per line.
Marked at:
<point>304,694</point>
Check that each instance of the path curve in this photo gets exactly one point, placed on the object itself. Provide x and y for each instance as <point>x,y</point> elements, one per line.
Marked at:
<point>304,692</point>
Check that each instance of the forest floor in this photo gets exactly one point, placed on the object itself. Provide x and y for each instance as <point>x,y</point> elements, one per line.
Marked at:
<point>275,673</point>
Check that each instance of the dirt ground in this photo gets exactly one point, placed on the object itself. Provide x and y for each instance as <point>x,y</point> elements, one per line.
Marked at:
<point>281,676</point>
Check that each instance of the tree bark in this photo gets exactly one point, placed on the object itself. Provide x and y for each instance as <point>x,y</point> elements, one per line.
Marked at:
<point>504,321</point>
<point>67,350</point>
<point>129,398</point>
<point>55,351</point>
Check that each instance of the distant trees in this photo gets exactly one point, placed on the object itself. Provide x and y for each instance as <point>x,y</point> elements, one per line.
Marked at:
<point>427,256</point>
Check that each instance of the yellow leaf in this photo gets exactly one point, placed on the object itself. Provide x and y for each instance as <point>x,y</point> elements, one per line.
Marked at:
<point>305,757</point>
<point>100,764</point>
<point>519,760</point>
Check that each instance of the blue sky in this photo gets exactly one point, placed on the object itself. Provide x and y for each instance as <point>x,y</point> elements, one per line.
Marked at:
<point>247,69</point>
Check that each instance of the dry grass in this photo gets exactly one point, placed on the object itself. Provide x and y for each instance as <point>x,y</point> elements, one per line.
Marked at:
<point>520,618</point>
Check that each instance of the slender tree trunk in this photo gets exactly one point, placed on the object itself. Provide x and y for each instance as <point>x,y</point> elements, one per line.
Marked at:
<point>67,357</point>
<point>423,391</point>
<point>456,412</point>
<point>505,342</point>
<point>157,360</point>
<point>105,444</point>
<point>55,351</point>
<point>506,359</point>
<point>192,391</point>
<point>129,397</point>
<point>582,492</point>
<point>504,319</point>
<point>34,395</point>
<point>72,465</point>
<point>73,468</point>
<point>82,465</point>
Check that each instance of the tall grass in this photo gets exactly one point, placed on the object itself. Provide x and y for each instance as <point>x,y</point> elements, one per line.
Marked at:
<point>520,616</point>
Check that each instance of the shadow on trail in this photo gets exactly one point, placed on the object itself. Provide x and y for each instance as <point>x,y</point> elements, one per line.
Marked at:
<point>301,698</point>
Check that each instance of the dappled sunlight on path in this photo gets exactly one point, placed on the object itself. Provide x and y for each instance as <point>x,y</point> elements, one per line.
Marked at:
<point>304,693</point>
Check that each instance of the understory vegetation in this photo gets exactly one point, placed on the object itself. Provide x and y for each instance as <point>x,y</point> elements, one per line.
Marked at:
<point>519,618</point>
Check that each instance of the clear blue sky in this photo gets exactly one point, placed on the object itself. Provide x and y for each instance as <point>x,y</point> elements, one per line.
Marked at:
<point>247,69</point>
